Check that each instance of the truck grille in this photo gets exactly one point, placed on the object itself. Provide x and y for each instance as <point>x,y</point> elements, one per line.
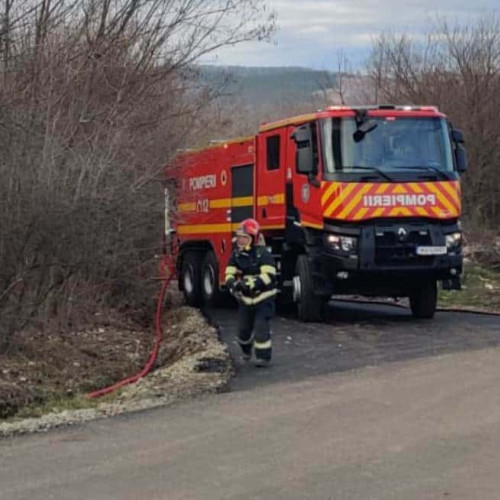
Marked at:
<point>396,246</point>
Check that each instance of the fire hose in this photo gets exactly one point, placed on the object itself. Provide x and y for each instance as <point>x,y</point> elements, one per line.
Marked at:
<point>166,274</point>
<point>472,310</point>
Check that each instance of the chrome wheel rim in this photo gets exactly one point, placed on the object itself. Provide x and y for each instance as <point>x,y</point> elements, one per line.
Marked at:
<point>297,288</point>
<point>208,282</point>
<point>188,281</point>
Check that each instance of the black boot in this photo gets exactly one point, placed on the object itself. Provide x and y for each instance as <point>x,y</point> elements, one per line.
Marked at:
<point>263,358</point>
<point>246,348</point>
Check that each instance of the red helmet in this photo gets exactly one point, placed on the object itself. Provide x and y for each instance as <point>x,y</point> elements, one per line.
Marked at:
<point>249,227</point>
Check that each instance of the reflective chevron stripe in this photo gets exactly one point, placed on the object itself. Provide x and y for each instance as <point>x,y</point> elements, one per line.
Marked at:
<point>356,201</point>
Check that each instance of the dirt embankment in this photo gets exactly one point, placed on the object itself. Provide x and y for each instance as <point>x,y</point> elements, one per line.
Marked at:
<point>51,373</point>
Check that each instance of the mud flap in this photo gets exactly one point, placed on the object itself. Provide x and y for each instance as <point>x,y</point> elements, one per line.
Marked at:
<point>452,284</point>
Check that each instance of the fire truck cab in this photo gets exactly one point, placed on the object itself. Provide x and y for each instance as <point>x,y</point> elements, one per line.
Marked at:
<point>362,200</point>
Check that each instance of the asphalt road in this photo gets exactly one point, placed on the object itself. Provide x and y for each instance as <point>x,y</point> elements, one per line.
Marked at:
<point>369,405</point>
<point>355,335</point>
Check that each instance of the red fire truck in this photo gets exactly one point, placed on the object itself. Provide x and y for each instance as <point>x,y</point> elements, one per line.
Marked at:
<point>351,200</point>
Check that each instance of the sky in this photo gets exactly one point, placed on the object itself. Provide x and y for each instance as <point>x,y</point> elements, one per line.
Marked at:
<point>311,33</point>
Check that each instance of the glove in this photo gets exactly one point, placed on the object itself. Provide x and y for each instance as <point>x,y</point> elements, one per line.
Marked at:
<point>241,287</point>
<point>230,286</point>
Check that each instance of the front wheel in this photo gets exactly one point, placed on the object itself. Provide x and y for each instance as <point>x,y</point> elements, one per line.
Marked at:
<point>423,301</point>
<point>309,306</point>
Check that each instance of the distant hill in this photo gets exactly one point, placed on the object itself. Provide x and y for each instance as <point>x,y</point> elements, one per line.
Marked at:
<point>251,85</point>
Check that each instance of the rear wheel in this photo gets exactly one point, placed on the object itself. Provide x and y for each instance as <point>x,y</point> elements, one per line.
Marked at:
<point>309,306</point>
<point>210,279</point>
<point>191,278</point>
<point>423,301</point>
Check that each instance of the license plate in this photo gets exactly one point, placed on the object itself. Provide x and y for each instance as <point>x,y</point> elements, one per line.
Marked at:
<point>432,250</point>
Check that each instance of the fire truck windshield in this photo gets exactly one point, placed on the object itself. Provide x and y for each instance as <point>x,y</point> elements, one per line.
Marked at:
<point>396,144</point>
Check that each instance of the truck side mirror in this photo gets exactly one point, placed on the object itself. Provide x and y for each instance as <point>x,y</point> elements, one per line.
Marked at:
<point>302,134</point>
<point>457,136</point>
<point>460,158</point>
<point>304,158</point>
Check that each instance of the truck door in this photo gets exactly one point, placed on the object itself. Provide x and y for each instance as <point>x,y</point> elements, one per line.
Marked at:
<point>306,189</point>
<point>271,166</point>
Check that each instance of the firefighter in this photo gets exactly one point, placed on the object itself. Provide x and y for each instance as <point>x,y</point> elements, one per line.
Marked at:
<point>251,278</point>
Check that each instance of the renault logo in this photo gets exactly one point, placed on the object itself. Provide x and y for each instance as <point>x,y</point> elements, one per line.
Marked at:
<point>402,234</point>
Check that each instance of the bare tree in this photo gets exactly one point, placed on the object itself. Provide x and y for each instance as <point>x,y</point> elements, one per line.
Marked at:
<point>96,97</point>
<point>458,69</point>
<point>343,87</point>
<point>333,85</point>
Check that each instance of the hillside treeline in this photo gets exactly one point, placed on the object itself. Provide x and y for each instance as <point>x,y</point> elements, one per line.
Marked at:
<point>95,97</point>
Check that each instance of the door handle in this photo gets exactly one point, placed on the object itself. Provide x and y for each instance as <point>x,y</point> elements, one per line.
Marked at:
<point>264,213</point>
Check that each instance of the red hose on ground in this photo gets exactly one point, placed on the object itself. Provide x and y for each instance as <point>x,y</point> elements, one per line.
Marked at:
<point>166,275</point>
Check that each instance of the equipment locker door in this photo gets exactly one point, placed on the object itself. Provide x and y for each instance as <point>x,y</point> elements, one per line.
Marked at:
<point>271,166</point>
<point>242,193</point>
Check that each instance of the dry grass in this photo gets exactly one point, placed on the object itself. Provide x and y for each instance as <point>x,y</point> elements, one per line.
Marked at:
<point>481,290</point>
<point>55,371</point>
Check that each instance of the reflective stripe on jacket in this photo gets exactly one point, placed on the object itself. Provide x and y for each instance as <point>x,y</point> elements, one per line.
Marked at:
<point>255,265</point>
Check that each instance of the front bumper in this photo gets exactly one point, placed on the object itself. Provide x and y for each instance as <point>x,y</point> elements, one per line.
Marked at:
<point>386,261</point>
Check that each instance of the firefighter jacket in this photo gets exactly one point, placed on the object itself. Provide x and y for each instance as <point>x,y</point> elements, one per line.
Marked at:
<point>255,266</point>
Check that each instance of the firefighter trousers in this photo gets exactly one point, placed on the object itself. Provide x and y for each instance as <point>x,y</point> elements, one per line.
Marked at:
<point>254,328</point>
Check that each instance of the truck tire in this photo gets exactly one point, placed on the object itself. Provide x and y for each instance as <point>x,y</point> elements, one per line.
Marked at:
<point>423,301</point>
<point>309,306</point>
<point>191,278</point>
<point>210,280</point>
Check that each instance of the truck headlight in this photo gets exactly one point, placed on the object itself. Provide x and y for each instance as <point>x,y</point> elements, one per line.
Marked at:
<point>333,241</point>
<point>348,244</point>
<point>453,241</point>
